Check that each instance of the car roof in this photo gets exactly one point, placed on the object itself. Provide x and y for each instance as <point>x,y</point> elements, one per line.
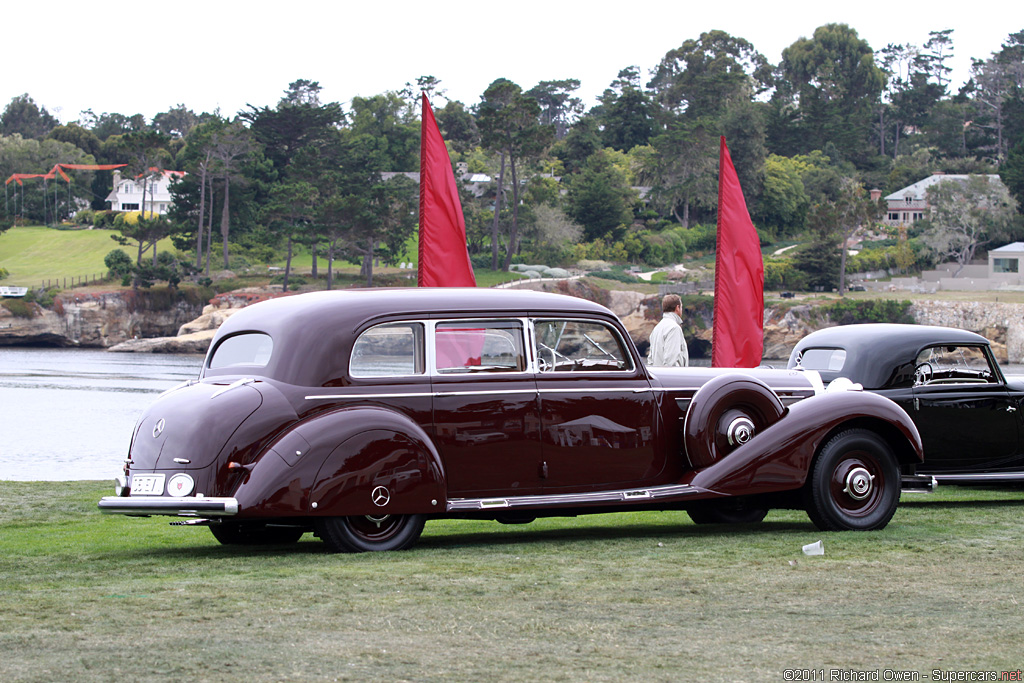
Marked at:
<point>355,306</point>
<point>875,350</point>
<point>314,327</point>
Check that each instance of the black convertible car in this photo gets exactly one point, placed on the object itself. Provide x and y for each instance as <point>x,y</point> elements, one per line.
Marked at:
<point>968,412</point>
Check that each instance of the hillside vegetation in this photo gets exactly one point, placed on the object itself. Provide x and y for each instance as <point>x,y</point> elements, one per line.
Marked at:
<point>34,254</point>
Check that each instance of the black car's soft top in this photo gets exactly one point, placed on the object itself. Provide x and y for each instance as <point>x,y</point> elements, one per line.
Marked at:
<point>874,352</point>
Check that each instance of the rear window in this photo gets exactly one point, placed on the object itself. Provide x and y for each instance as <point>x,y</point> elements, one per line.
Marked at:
<point>823,360</point>
<point>253,348</point>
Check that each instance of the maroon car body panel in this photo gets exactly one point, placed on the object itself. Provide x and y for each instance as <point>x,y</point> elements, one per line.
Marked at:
<point>553,413</point>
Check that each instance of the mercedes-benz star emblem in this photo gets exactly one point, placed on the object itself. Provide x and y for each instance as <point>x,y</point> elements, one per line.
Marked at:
<point>158,428</point>
<point>380,496</point>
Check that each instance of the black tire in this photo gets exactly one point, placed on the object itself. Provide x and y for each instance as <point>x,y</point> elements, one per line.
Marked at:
<point>854,484</point>
<point>724,414</point>
<point>732,511</point>
<point>369,533</point>
<point>235,533</point>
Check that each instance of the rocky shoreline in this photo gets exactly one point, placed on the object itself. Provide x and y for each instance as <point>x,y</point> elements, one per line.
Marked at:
<point>115,322</point>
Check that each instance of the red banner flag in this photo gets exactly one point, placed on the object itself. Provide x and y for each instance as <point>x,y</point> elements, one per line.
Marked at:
<point>737,337</point>
<point>444,259</point>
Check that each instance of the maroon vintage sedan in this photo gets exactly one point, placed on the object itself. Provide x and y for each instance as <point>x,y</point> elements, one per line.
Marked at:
<point>359,415</point>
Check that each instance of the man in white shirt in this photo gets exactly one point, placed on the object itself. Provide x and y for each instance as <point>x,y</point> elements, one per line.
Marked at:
<point>668,346</point>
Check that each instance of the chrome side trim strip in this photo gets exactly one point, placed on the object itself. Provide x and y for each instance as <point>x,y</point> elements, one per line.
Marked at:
<point>804,389</point>
<point>501,392</point>
<point>336,397</point>
<point>233,385</point>
<point>618,496</point>
<point>506,392</point>
<point>967,477</point>
<point>168,505</point>
<point>597,390</point>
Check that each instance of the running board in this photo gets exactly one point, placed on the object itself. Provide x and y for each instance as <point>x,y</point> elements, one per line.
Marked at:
<point>918,483</point>
<point>565,499</point>
<point>981,478</point>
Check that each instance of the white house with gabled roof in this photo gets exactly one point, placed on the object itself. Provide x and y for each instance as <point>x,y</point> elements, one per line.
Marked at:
<point>909,205</point>
<point>127,193</point>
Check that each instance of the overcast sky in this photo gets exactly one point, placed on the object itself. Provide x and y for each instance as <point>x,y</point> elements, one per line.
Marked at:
<point>146,57</point>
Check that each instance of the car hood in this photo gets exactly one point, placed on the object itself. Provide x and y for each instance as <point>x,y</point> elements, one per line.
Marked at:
<point>779,380</point>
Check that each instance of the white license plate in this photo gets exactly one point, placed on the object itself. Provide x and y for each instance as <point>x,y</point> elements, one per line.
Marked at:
<point>147,484</point>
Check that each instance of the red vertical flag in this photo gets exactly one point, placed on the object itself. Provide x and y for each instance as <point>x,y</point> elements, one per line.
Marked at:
<point>737,337</point>
<point>444,259</point>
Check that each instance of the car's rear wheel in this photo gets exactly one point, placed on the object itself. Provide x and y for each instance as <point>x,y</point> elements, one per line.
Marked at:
<point>854,483</point>
<point>730,511</point>
<point>726,413</point>
<point>358,534</point>
<point>235,533</point>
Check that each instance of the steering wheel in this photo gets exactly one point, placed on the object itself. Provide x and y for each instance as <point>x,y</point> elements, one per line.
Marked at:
<point>923,373</point>
<point>543,364</point>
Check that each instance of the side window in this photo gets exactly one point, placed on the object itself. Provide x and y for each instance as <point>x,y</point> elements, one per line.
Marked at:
<point>579,345</point>
<point>479,346</point>
<point>389,350</point>
<point>953,365</point>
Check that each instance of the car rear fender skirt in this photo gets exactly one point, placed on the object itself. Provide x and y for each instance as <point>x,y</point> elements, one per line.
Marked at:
<point>308,468</point>
<point>779,458</point>
<point>380,472</point>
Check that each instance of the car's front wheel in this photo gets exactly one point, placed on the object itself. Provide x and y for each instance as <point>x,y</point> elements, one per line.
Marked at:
<point>854,483</point>
<point>358,534</point>
<point>234,533</point>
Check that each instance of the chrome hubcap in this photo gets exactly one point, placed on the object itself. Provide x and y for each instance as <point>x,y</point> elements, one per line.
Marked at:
<point>859,483</point>
<point>740,431</point>
<point>377,520</point>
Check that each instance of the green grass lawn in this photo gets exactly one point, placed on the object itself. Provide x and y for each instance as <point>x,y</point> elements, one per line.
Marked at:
<point>631,596</point>
<point>34,254</point>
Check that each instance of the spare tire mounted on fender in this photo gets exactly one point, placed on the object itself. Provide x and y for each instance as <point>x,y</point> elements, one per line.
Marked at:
<point>726,413</point>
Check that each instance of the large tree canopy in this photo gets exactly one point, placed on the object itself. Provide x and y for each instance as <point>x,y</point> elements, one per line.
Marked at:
<point>700,77</point>
<point>26,118</point>
<point>833,80</point>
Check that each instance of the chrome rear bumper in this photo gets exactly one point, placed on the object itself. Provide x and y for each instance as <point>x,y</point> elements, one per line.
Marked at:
<point>191,506</point>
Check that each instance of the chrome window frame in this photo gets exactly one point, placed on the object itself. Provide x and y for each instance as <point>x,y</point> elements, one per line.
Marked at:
<point>623,347</point>
<point>528,365</point>
<point>394,323</point>
<point>985,351</point>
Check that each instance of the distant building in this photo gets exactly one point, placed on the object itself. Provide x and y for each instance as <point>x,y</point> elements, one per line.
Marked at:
<point>127,193</point>
<point>909,205</point>
<point>476,183</point>
<point>1005,262</point>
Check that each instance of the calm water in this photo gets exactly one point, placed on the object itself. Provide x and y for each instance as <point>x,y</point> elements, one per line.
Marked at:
<point>68,414</point>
